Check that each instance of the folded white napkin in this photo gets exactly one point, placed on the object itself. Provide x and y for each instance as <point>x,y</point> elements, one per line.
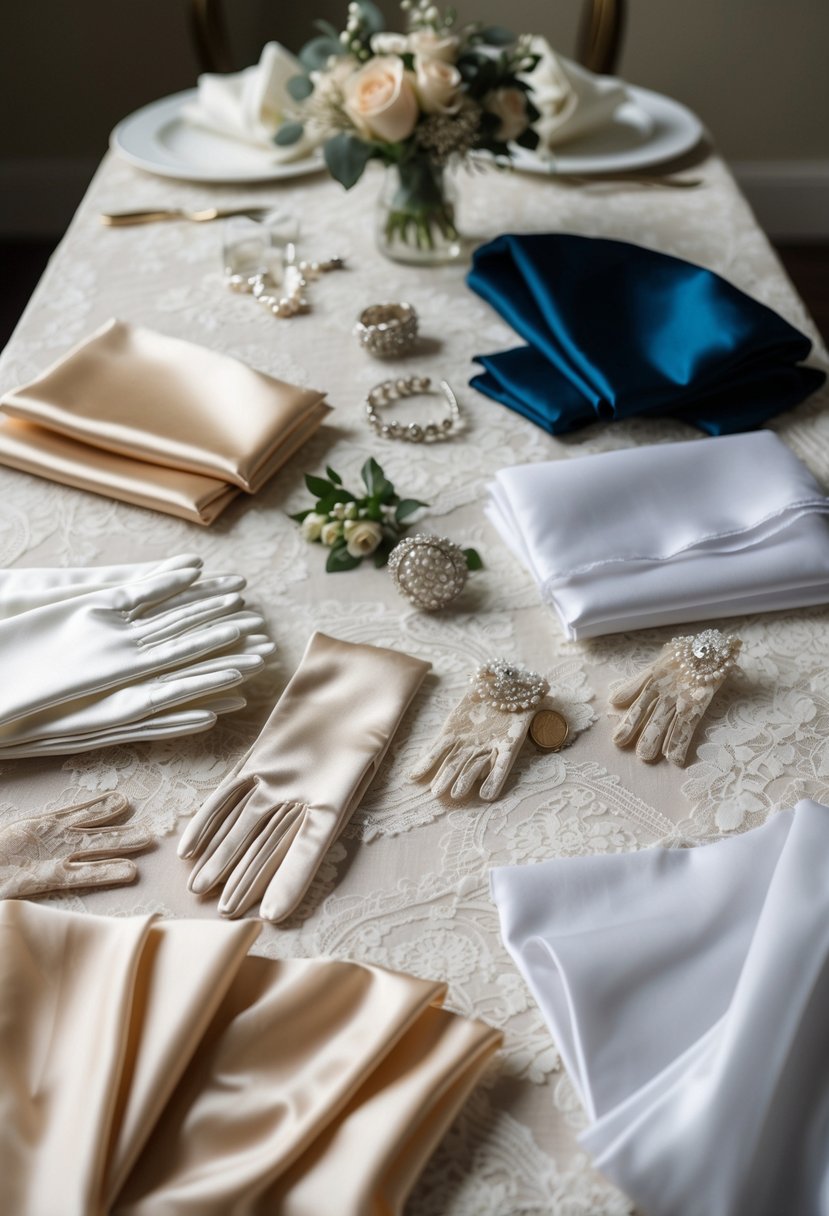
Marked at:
<point>668,533</point>
<point>687,990</point>
<point>251,105</point>
<point>572,101</point>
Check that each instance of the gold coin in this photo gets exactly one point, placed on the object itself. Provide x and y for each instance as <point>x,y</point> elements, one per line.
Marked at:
<point>549,730</point>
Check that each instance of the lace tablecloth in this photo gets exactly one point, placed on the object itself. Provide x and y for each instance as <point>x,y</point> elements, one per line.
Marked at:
<point>407,884</point>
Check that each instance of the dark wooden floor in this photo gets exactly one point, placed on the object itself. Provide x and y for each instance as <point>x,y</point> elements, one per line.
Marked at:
<point>23,263</point>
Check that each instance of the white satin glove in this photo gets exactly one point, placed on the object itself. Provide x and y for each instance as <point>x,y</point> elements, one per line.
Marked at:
<point>142,711</point>
<point>77,846</point>
<point>265,831</point>
<point>667,701</point>
<point>23,588</point>
<point>105,639</point>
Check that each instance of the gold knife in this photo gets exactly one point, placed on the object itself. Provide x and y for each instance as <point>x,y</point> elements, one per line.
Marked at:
<point>117,219</point>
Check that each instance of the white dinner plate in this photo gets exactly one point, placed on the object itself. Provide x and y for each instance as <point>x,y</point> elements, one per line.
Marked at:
<point>158,138</point>
<point>644,131</point>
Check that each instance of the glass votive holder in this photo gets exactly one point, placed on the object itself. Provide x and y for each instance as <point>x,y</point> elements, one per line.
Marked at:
<point>253,249</point>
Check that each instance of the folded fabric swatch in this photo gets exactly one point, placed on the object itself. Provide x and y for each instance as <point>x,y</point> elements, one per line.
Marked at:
<point>615,330</point>
<point>210,1082</point>
<point>156,421</point>
<point>252,104</point>
<point>571,100</point>
<point>668,533</point>
<point>687,992</point>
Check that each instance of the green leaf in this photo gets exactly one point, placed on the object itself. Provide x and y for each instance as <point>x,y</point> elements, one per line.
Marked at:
<point>346,157</point>
<point>383,551</point>
<point>496,35</point>
<point>325,27</point>
<point>473,559</point>
<point>408,507</point>
<point>316,53</point>
<point>318,486</point>
<point>299,87</point>
<point>372,475</point>
<point>301,515</point>
<point>289,133</point>
<point>371,16</point>
<point>528,139</point>
<point>332,476</point>
<point>340,559</point>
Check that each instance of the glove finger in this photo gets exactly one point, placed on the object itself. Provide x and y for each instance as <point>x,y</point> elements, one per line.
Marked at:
<point>494,783</point>
<point>440,748</point>
<point>470,773</point>
<point>116,873</point>
<point>626,691</point>
<point>681,733</point>
<point>178,620</point>
<point>103,808</point>
<point>230,843</point>
<point>164,726</point>
<point>133,598</point>
<point>110,841</point>
<point>258,870</point>
<point>219,584</point>
<point>218,812</point>
<point>450,770</point>
<point>171,692</point>
<point>246,665</point>
<point>190,646</point>
<point>655,728</point>
<point>631,724</point>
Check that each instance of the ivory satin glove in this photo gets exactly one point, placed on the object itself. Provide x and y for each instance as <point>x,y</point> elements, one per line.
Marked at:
<point>77,846</point>
<point>667,701</point>
<point>104,639</point>
<point>482,736</point>
<point>263,834</point>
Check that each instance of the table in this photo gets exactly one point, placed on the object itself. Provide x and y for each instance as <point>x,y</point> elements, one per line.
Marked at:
<point>407,884</point>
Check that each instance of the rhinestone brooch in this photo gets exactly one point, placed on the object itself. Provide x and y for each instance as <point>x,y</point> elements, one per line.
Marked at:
<point>506,686</point>
<point>429,570</point>
<point>707,657</point>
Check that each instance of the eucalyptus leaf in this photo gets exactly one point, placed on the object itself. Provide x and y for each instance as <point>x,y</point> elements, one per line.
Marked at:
<point>340,559</point>
<point>325,27</point>
<point>289,133</point>
<point>299,87</point>
<point>496,35</point>
<point>473,559</point>
<point>346,157</point>
<point>371,16</point>
<point>316,53</point>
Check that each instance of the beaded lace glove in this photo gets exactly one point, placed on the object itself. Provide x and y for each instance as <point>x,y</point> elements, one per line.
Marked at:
<point>78,846</point>
<point>484,733</point>
<point>667,701</point>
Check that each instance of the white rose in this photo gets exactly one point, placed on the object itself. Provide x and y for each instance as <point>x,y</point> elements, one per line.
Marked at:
<point>511,107</point>
<point>365,536</point>
<point>380,99</point>
<point>331,532</point>
<point>436,84</point>
<point>312,526</point>
<point>389,44</point>
<point>434,46</point>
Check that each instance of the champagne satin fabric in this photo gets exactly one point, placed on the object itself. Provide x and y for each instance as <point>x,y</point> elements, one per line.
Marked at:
<point>151,1067</point>
<point>157,422</point>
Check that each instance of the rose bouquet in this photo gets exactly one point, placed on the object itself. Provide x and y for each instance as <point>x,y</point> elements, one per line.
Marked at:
<point>416,101</point>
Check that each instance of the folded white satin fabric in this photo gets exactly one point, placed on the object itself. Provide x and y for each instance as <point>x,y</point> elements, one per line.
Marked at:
<point>151,1067</point>
<point>119,658</point>
<point>668,533</point>
<point>572,101</point>
<point>252,104</point>
<point>687,990</point>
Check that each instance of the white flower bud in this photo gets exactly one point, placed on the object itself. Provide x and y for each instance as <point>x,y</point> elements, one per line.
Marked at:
<point>312,526</point>
<point>331,532</point>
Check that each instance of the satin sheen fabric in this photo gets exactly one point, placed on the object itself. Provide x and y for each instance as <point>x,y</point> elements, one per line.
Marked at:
<point>687,991</point>
<point>669,533</point>
<point>156,421</point>
<point>153,1067</point>
<point>616,330</point>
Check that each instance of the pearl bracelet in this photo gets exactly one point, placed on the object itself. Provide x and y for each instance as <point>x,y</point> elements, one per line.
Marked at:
<point>414,432</point>
<point>387,330</point>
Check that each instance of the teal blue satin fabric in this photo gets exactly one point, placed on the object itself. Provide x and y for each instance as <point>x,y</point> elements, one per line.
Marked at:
<point>616,330</point>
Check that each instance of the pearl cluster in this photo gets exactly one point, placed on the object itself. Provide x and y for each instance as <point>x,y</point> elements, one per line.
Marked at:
<point>387,330</point>
<point>707,657</point>
<point>392,390</point>
<point>296,278</point>
<point>429,570</point>
<point>509,687</point>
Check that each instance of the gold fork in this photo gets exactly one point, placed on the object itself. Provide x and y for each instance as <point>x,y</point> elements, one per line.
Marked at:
<point>117,219</point>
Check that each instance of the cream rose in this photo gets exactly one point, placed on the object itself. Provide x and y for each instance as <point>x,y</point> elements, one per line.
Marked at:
<point>331,532</point>
<point>312,525</point>
<point>380,100</point>
<point>434,46</point>
<point>436,84</point>
<point>363,537</point>
<point>389,44</point>
<point>510,106</point>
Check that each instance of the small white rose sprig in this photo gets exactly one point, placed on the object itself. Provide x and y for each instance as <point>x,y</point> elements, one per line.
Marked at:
<point>358,526</point>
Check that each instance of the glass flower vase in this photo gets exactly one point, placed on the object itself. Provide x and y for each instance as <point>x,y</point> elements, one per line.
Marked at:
<point>416,214</point>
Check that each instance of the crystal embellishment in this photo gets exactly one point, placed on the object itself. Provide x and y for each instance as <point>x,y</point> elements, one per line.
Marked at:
<point>429,570</point>
<point>706,657</point>
<point>509,687</point>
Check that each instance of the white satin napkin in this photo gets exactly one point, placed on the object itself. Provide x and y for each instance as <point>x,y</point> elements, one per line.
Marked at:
<point>252,104</point>
<point>688,990</point>
<point>572,100</point>
<point>668,533</point>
